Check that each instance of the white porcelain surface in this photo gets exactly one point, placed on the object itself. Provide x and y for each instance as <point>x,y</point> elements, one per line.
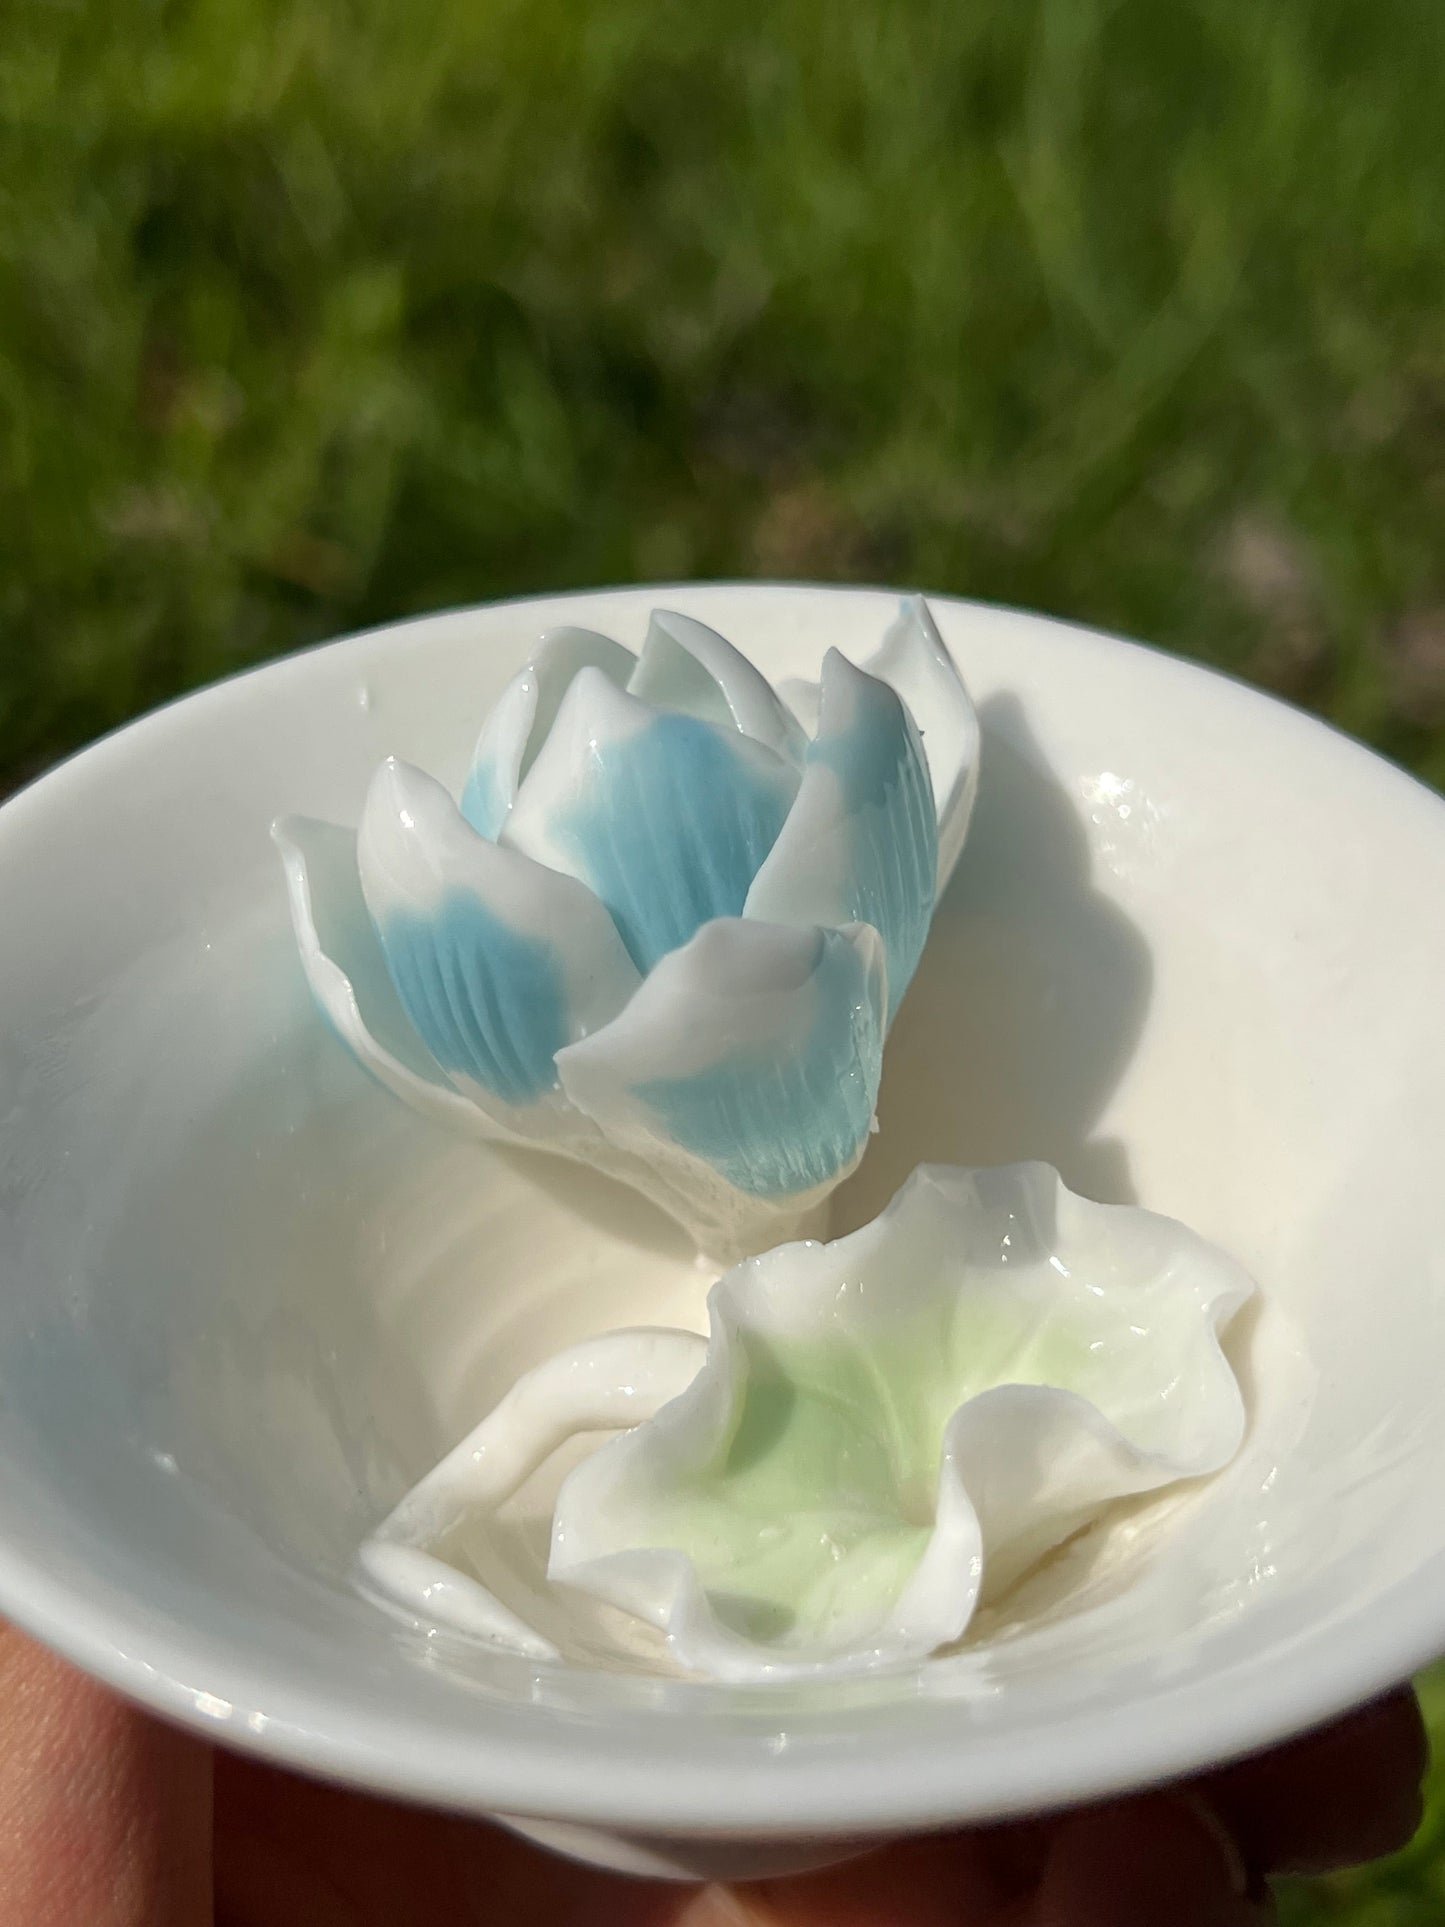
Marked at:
<point>1192,955</point>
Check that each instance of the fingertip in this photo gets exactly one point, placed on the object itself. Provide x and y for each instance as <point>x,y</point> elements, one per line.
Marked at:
<point>936,1880</point>
<point>1164,1860</point>
<point>1348,1793</point>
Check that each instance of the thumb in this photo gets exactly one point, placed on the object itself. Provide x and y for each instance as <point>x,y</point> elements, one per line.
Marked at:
<point>105,1815</point>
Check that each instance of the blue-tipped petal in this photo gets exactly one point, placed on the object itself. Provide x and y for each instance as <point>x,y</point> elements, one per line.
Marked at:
<point>523,714</point>
<point>347,974</point>
<point>498,962</point>
<point>686,666</point>
<point>756,1051</point>
<point>666,818</point>
<point>861,841</point>
<point>913,660</point>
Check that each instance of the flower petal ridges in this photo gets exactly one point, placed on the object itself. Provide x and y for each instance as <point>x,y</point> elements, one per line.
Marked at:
<point>756,1050</point>
<point>497,962</point>
<point>525,712</point>
<point>346,971</point>
<point>861,842</point>
<point>664,816</point>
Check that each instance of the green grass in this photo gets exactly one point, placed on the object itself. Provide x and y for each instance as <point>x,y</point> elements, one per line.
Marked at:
<point>313,314</point>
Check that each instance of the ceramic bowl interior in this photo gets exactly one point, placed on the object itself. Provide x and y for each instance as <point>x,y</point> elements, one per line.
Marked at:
<point>1193,955</point>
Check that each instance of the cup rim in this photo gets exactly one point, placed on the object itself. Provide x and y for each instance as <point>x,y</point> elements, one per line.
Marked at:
<point>902,1778</point>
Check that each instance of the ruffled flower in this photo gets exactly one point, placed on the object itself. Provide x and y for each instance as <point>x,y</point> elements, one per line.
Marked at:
<point>887,1424</point>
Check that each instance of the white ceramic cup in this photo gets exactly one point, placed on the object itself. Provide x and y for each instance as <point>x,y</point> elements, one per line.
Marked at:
<point>1194,955</point>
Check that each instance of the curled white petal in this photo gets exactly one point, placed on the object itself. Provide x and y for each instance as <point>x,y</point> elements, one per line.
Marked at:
<point>1038,1462</point>
<point>525,712</point>
<point>914,660</point>
<point>617,1380</point>
<point>685,665</point>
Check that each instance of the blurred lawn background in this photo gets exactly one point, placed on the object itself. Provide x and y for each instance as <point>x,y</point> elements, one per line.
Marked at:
<point>317,314</point>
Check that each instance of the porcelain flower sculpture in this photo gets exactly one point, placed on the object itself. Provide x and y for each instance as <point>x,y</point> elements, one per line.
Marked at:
<point>887,1424</point>
<point>666,931</point>
<point>878,1431</point>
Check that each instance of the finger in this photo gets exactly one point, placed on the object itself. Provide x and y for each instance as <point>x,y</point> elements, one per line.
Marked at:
<point>292,1852</point>
<point>1163,1861</point>
<point>1332,1799</point>
<point>943,1880</point>
<point>1347,1793</point>
<point>1159,1861</point>
<point>104,1814</point>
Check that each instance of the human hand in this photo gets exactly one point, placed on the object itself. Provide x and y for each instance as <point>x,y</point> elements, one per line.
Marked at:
<point>110,1819</point>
